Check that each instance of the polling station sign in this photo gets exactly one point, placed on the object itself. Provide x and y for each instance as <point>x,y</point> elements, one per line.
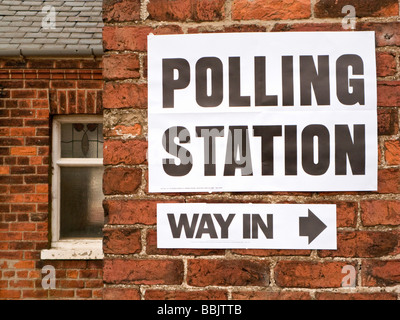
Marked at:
<point>238,225</point>
<point>262,112</point>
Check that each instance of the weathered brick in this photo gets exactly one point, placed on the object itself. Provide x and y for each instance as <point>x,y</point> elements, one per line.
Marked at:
<point>121,241</point>
<point>121,180</point>
<point>389,93</point>
<point>205,272</point>
<point>129,212</point>
<point>270,252</point>
<point>309,274</point>
<point>185,295</point>
<point>124,131</point>
<point>389,180</point>
<point>121,10</point>
<point>127,152</point>
<point>392,152</point>
<point>380,273</point>
<point>380,212</point>
<point>386,64</point>
<point>121,294</point>
<point>121,66</point>
<point>355,296</point>
<point>270,9</point>
<point>124,95</point>
<point>152,248</point>
<point>363,244</point>
<point>133,37</point>
<point>270,295</point>
<point>387,121</point>
<point>374,8</point>
<point>143,271</point>
<point>386,34</point>
<point>183,10</point>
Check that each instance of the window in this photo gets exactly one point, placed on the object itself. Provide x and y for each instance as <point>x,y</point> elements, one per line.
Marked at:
<point>77,215</point>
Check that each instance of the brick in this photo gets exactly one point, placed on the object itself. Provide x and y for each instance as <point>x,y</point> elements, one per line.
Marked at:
<point>5,170</point>
<point>270,295</point>
<point>184,10</point>
<point>84,293</point>
<point>121,180</point>
<point>121,241</point>
<point>380,273</point>
<point>121,66</point>
<point>386,64</point>
<point>309,274</point>
<point>10,294</point>
<point>133,37</point>
<point>37,84</point>
<point>11,179</point>
<point>346,214</point>
<point>150,272</point>
<point>23,207</point>
<point>389,181</point>
<point>392,152</point>
<point>124,95</point>
<point>132,211</point>
<point>37,141</point>
<point>185,295</point>
<point>11,122</point>
<point>127,152</point>
<point>386,34</point>
<point>89,84</point>
<point>121,294</point>
<point>11,141</point>
<point>22,113</point>
<point>34,294</point>
<point>363,244</point>
<point>20,94</point>
<point>380,212</point>
<point>22,189</point>
<point>389,93</point>
<point>333,8</point>
<point>22,132</point>
<point>124,131</point>
<point>61,293</point>
<point>121,10</point>
<point>387,121</point>
<point>271,252</point>
<point>205,272</point>
<point>24,264</point>
<point>151,248</point>
<point>29,226</point>
<point>355,296</point>
<point>63,84</point>
<point>270,9</point>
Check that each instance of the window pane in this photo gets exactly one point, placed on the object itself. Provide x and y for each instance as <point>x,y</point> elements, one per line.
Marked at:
<point>82,140</point>
<point>81,208</point>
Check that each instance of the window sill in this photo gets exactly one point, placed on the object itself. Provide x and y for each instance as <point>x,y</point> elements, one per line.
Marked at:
<point>74,250</point>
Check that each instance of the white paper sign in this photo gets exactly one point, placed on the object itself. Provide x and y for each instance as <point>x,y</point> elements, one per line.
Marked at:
<point>262,112</point>
<point>256,226</point>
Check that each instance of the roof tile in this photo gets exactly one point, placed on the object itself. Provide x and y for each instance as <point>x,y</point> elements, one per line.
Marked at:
<point>78,26</point>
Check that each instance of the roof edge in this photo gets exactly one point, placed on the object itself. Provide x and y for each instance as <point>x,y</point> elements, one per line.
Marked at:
<point>51,52</point>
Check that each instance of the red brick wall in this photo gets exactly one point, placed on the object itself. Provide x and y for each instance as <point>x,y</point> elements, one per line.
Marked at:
<point>368,222</point>
<point>33,91</point>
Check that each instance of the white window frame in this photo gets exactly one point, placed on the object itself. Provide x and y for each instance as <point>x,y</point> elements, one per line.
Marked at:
<point>81,248</point>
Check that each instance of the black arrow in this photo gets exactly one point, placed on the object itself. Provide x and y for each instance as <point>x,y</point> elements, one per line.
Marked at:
<point>311,226</point>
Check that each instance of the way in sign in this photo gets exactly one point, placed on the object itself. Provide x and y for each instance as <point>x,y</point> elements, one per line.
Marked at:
<point>268,226</point>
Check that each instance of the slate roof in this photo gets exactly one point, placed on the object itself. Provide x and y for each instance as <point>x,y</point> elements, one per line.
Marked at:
<point>78,27</point>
